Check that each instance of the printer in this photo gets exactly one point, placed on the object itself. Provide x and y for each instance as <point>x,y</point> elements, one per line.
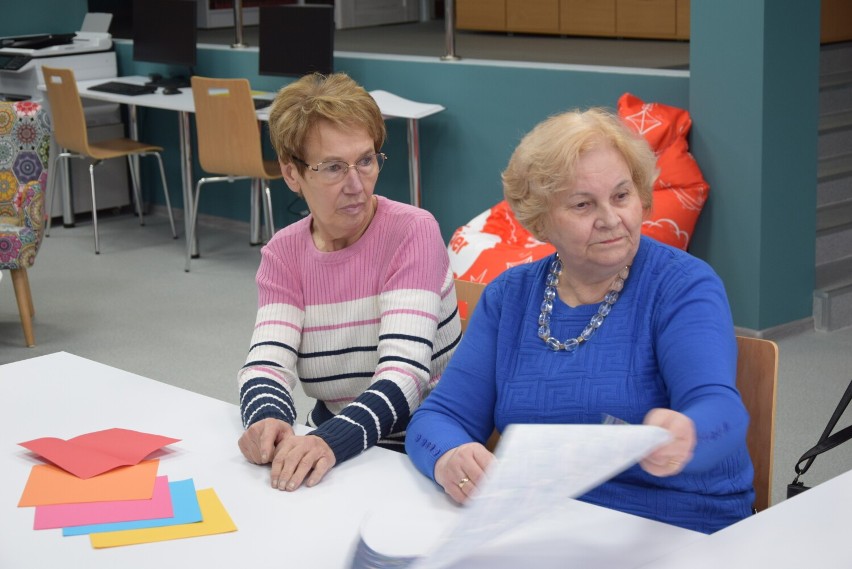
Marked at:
<point>90,54</point>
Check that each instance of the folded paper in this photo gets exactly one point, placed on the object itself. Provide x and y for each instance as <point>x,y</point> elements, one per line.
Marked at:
<point>95,453</point>
<point>48,484</point>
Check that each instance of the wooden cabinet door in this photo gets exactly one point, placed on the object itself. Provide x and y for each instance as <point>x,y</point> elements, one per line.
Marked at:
<point>683,19</point>
<point>488,15</point>
<point>534,16</point>
<point>587,17</point>
<point>646,18</point>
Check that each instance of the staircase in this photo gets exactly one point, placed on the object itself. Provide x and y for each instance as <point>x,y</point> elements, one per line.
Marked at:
<point>833,294</point>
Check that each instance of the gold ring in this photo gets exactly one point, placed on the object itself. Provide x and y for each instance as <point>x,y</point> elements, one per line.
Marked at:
<point>462,482</point>
<point>674,463</point>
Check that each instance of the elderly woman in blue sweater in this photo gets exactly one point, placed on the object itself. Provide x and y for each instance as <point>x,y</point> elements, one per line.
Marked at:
<point>614,323</point>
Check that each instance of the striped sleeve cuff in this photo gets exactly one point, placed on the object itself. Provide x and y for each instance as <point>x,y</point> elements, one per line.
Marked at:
<point>380,410</point>
<point>262,398</point>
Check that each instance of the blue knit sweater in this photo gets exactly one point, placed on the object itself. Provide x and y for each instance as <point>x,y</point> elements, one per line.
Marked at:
<point>668,342</point>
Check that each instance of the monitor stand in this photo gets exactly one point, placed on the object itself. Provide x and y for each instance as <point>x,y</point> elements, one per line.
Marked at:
<point>173,81</point>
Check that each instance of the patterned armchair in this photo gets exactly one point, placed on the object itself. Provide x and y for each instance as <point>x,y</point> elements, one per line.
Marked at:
<point>24,152</point>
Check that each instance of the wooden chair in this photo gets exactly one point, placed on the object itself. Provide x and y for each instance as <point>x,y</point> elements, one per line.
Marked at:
<point>757,379</point>
<point>229,143</point>
<point>69,130</point>
<point>467,295</point>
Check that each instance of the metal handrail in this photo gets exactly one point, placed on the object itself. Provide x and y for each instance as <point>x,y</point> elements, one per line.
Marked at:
<point>450,31</point>
<point>238,25</point>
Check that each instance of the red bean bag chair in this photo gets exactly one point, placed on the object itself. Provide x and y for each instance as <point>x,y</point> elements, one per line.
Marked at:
<point>493,241</point>
<point>680,190</point>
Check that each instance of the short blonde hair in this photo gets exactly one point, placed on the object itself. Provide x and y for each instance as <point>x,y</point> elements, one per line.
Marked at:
<point>300,106</point>
<point>546,160</point>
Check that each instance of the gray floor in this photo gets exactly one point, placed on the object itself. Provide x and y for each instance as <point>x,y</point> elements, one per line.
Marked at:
<point>134,307</point>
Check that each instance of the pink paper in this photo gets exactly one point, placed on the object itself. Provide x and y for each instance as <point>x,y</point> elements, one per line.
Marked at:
<point>95,453</point>
<point>66,515</point>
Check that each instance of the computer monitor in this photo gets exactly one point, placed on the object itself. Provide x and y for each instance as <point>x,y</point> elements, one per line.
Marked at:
<point>165,31</point>
<point>296,40</point>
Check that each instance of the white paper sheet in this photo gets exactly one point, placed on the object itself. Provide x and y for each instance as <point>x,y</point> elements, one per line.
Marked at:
<point>537,467</point>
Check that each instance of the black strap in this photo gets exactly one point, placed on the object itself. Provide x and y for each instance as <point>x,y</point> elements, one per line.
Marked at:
<point>827,441</point>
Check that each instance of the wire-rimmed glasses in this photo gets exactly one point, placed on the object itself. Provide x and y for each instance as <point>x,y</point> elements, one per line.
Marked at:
<point>332,171</point>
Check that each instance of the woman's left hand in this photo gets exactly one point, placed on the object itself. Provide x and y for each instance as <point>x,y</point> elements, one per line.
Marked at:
<point>461,469</point>
<point>298,458</point>
<point>670,459</point>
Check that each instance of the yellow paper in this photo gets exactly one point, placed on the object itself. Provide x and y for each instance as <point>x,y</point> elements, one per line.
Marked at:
<point>49,484</point>
<point>215,519</point>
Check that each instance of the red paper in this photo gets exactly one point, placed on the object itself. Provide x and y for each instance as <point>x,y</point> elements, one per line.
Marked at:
<point>95,453</point>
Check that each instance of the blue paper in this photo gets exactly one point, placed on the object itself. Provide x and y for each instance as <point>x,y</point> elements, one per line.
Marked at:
<point>184,506</point>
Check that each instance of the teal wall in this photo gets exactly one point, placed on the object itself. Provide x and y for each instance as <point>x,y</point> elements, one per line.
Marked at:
<point>754,100</point>
<point>24,17</point>
<point>463,149</point>
<point>751,89</point>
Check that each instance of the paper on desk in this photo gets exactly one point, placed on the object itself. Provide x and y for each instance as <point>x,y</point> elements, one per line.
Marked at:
<point>184,506</point>
<point>48,484</point>
<point>64,515</point>
<point>538,466</point>
<point>95,453</point>
<point>215,519</point>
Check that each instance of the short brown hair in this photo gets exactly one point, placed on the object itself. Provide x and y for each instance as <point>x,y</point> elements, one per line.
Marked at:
<point>546,160</point>
<point>301,105</point>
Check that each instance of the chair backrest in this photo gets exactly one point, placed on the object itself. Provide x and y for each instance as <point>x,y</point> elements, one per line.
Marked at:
<point>66,110</point>
<point>467,295</point>
<point>25,135</point>
<point>227,127</point>
<point>757,378</point>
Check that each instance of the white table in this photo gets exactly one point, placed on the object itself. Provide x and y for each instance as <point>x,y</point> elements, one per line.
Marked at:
<point>809,530</point>
<point>63,395</point>
<point>396,107</point>
<point>390,105</point>
<point>393,106</point>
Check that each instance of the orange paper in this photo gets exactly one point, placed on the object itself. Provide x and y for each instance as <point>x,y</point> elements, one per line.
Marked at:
<point>48,484</point>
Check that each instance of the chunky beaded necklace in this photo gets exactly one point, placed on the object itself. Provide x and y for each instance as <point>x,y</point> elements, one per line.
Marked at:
<point>551,282</point>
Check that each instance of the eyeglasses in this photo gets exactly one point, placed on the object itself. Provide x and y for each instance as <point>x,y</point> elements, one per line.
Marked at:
<point>335,170</point>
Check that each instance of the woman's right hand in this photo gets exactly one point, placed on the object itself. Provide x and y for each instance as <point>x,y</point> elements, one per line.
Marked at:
<point>258,442</point>
<point>461,469</point>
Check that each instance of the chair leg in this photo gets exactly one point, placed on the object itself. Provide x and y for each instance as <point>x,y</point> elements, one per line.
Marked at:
<point>166,192</point>
<point>270,223</point>
<point>134,182</point>
<point>94,205</point>
<point>25,306</point>
<point>29,294</point>
<point>51,192</point>
<point>192,220</point>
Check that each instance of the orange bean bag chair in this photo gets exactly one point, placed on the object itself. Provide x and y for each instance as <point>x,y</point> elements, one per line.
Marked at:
<point>493,241</point>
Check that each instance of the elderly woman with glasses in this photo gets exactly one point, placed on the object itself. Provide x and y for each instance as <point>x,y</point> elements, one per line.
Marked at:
<point>355,301</point>
<point>614,324</point>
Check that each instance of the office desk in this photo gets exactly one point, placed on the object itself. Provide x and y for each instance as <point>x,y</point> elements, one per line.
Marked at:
<point>390,105</point>
<point>395,107</point>
<point>64,396</point>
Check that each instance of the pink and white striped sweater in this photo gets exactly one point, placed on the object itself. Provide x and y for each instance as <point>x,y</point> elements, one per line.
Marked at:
<point>367,330</point>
